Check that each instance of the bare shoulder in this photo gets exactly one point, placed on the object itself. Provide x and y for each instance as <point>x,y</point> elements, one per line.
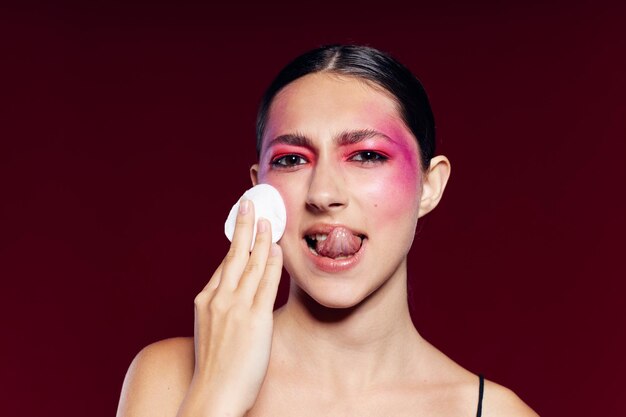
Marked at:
<point>157,379</point>
<point>499,401</point>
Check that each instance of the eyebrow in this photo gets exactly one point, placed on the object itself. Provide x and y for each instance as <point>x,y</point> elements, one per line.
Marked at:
<point>294,139</point>
<point>345,138</point>
<point>355,136</point>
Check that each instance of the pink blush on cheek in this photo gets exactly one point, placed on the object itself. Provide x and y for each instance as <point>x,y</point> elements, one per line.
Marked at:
<point>394,189</point>
<point>394,192</point>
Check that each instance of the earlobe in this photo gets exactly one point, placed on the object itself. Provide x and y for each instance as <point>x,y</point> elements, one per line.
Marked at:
<point>254,174</point>
<point>434,184</point>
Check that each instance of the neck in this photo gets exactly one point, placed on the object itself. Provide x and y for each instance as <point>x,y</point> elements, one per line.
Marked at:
<point>352,347</point>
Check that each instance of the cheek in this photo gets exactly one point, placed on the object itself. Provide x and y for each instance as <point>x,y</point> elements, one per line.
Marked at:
<point>395,189</point>
<point>394,193</point>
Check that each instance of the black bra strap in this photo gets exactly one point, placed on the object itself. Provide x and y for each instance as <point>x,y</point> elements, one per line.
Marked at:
<point>481,389</point>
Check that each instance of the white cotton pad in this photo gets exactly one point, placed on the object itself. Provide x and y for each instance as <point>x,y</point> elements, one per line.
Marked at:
<point>267,204</point>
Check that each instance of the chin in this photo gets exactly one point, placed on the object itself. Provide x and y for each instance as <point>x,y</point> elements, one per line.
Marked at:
<point>332,295</point>
<point>338,302</point>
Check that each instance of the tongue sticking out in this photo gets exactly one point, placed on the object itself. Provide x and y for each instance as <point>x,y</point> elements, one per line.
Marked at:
<point>340,242</point>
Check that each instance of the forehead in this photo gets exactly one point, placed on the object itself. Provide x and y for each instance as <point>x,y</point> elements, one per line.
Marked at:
<point>321,105</point>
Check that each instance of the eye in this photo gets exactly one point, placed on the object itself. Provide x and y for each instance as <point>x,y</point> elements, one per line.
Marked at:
<point>368,157</point>
<point>288,161</point>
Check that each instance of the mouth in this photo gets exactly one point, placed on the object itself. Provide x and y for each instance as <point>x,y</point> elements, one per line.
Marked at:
<point>334,241</point>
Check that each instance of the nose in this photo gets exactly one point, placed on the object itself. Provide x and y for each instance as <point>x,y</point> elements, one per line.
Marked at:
<point>326,190</point>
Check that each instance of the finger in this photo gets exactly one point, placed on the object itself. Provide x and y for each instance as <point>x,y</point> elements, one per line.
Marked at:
<point>239,252</point>
<point>268,284</point>
<point>256,263</point>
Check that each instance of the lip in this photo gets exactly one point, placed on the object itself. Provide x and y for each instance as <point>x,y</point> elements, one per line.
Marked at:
<point>325,228</point>
<point>331,265</point>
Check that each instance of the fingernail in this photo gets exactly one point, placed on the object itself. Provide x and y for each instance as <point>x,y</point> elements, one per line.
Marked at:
<point>244,206</point>
<point>261,226</point>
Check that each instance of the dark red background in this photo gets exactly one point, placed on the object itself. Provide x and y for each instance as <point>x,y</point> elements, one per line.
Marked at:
<point>127,132</point>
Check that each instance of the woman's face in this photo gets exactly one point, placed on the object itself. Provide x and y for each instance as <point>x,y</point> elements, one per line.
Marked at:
<point>348,169</point>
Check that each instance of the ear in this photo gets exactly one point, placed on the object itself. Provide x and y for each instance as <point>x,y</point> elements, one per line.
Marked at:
<point>254,174</point>
<point>434,183</point>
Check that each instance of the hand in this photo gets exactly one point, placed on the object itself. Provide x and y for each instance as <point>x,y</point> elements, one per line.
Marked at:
<point>234,319</point>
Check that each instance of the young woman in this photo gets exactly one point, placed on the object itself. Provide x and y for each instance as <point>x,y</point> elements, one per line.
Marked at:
<point>346,134</point>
